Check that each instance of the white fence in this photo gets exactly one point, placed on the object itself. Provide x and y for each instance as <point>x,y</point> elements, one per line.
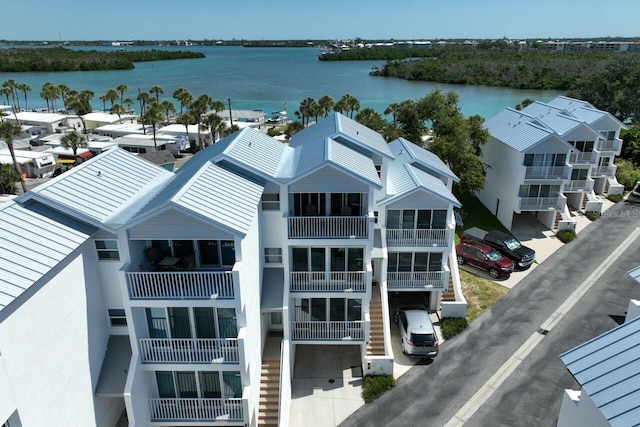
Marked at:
<point>196,409</point>
<point>333,281</point>
<point>418,280</point>
<point>546,172</point>
<point>329,227</point>
<point>327,331</point>
<point>189,350</point>
<point>541,203</point>
<point>419,237</point>
<point>180,284</point>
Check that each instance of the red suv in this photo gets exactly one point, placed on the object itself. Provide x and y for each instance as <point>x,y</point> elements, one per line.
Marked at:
<point>484,256</point>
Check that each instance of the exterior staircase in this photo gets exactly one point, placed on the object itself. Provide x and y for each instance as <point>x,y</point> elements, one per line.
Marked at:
<point>269,390</point>
<point>376,329</point>
<point>558,218</point>
<point>585,199</point>
<point>606,186</point>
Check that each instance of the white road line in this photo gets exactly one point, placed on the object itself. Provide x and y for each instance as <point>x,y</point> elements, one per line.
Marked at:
<point>485,392</point>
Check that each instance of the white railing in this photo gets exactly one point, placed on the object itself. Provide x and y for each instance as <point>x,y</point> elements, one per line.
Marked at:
<point>327,331</point>
<point>546,172</point>
<point>579,185</point>
<point>582,158</point>
<point>541,203</point>
<point>341,227</point>
<point>415,237</point>
<point>604,170</point>
<point>333,281</point>
<point>189,350</point>
<point>609,145</point>
<point>180,284</point>
<point>196,410</point>
<point>437,280</point>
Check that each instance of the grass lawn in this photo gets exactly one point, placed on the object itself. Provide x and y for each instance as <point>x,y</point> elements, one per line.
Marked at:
<point>480,293</point>
<point>475,214</point>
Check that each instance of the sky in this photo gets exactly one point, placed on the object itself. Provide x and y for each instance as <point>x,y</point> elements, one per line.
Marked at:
<point>319,20</point>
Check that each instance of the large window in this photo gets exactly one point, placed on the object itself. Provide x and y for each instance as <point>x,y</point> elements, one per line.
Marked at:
<point>210,253</point>
<point>271,202</point>
<point>583,146</point>
<point>545,159</point>
<point>334,204</point>
<point>539,191</point>
<point>317,259</point>
<point>419,261</point>
<point>196,322</point>
<point>332,309</point>
<point>205,385</point>
<point>411,219</point>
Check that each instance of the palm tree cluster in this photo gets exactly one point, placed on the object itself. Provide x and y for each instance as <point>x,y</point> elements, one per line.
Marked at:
<point>12,88</point>
<point>309,107</point>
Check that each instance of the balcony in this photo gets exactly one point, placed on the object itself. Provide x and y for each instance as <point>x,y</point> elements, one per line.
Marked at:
<point>327,331</point>
<point>583,158</point>
<point>579,185</point>
<point>609,145</point>
<point>433,280</point>
<point>420,237</point>
<point>189,350</point>
<point>228,410</point>
<point>609,170</point>
<point>541,203</point>
<point>546,172</point>
<point>329,227</point>
<point>334,281</point>
<point>180,284</point>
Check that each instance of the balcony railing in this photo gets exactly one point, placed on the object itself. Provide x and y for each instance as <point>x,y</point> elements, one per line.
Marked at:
<point>579,185</point>
<point>604,170</point>
<point>189,350</point>
<point>415,237</point>
<point>609,145</point>
<point>334,281</point>
<point>196,410</point>
<point>327,331</point>
<point>583,158</point>
<point>328,227</point>
<point>541,203</point>
<point>437,280</point>
<point>546,172</point>
<point>180,284</point>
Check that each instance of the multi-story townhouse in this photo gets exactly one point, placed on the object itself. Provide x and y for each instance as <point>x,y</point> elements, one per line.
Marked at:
<point>545,158</point>
<point>154,294</point>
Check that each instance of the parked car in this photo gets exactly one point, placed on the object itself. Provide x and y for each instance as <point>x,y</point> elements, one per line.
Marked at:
<point>418,336</point>
<point>483,256</point>
<point>504,243</point>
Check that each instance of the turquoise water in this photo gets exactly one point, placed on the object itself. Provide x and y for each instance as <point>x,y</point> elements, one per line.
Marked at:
<point>266,78</point>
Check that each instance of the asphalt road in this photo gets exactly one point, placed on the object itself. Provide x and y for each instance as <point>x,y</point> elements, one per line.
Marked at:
<point>431,394</point>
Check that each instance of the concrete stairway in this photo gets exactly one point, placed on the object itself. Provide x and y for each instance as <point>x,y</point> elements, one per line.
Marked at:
<point>557,220</point>
<point>269,389</point>
<point>585,199</point>
<point>376,329</point>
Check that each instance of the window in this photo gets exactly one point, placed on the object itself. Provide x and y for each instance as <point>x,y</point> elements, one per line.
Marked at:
<point>328,309</point>
<point>609,135</point>
<point>271,202</point>
<point>539,191</point>
<point>273,255</point>
<point>107,249</point>
<point>411,219</point>
<point>545,159</point>
<point>117,317</point>
<point>420,261</point>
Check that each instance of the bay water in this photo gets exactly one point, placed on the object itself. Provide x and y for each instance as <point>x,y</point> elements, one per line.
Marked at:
<point>268,79</point>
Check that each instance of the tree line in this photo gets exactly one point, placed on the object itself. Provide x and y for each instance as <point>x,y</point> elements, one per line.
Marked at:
<point>62,59</point>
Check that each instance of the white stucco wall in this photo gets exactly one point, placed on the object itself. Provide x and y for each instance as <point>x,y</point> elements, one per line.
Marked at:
<point>53,346</point>
<point>7,403</point>
<point>578,410</point>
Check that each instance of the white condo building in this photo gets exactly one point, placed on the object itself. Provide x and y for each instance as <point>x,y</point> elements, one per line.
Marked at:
<point>131,293</point>
<point>550,156</point>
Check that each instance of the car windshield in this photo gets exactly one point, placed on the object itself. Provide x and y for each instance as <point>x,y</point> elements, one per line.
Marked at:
<point>423,339</point>
<point>494,255</point>
<point>512,244</point>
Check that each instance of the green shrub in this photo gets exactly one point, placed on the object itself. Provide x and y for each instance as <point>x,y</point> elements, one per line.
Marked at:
<point>452,326</point>
<point>273,132</point>
<point>592,215</point>
<point>374,386</point>
<point>627,174</point>
<point>615,198</point>
<point>566,236</point>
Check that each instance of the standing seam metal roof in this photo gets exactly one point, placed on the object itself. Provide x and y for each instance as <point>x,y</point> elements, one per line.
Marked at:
<point>517,130</point>
<point>608,369</point>
<point>426,158</point>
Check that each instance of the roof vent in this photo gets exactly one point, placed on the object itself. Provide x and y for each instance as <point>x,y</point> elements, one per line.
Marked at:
<point>99,173</point>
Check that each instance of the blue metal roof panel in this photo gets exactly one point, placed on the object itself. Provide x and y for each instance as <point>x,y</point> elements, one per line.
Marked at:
<point>310,156</point>
<point>353,161</point>
<point>635,274</point>
<point>33,243</point>
<point>580,109</point>
<point>105,189</point>
<point>554,117</point>
<point>256,151</point>
<point>433,185</point>
<point>516,130</point>
<point>608,369</point>
<point>401,146</point>
<point>223,197</point>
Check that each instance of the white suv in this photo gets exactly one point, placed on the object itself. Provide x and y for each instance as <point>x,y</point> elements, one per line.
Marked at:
<point>419,338</point>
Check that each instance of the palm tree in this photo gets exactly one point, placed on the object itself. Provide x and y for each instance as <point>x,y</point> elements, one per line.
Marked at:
<point>80,104</point>
<point>6,92</point>
<point>74,141</point>
<point>119,110</point>
<point>183,96</point>
<point>10,84</point>
<point>63,92</point>
<point>306,109</point>
<point>128,103</point>
<point>185,119</point>
<point>103,98</point>
<point>157,90</point>
<point>326,103</point>
<point>198,108</point>
<point>144,98</point>
<point>153,116</point>
<point>393,109</point>
<point>24,87</point>
<point>112,96</point>
<point>168,107</point>
<point>349,104</point>
<point>122,88</point>
<point>215,124</point>
<point>10,131</point>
